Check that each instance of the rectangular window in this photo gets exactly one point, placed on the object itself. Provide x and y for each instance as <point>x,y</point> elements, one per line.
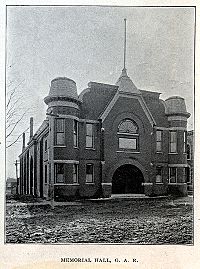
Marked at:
<point>75,131</point>
<point>45,174</point>
<point>89,173</point>
<point>158,174</point>
<point>128,143</point>
<point>184,174</point>
<point>188,152</point>
<point>188,174</point>
<point>158,141</point>
<point>184,142</point>
<point>45,145</point>
<point>59,172</point>
<point>75,173</point>
<point>60,132</point>
<point>89,135</point>
<point>173,142</point>
<point>172,175</point>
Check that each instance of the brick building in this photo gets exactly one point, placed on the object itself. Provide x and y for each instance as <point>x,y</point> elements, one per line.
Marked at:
<point>190,160</point>
<point>109,139</point>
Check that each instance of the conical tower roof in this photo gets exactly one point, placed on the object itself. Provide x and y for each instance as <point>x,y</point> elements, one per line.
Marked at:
<point>126,84</point>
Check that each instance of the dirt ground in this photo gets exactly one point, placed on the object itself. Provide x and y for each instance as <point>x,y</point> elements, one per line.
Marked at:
<point>131,221</point>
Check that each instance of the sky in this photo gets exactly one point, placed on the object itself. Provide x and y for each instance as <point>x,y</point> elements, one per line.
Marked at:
<point>86,44</point>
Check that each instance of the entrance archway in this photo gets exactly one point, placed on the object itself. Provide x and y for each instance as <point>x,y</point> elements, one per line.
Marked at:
<point>127,179</point>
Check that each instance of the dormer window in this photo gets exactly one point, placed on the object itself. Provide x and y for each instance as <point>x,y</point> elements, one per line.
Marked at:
<point>128,135</point>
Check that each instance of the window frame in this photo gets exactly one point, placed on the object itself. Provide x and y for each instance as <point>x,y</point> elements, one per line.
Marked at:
<point>56,165</point>
<point>75,133</point>
<point>75,168</point>
<point>170,168</point>
<point>128,135</point>
<point>86,180</point>
<point>132,122</point>
<point>161,175</point>
<point>188,175</point>
<point>172,142</point>
<point>45,174</point>
<point>90,136</point>
<point>188,145</point>
<point>128,148</point>
<point>185,142</point>
<point>59,132</point>
<point>45,145</point>
<point>160,141</point>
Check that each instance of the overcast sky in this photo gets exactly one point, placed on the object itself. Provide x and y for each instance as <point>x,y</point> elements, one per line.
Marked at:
<point>86,44</point>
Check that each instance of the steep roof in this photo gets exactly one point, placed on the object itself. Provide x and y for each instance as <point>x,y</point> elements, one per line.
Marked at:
<point>156,107</point>
<point>125,84</point>
<point>95,99</point>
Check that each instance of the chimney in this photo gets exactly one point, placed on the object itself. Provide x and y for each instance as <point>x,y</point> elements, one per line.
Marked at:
<point>23,142</point>
<point>31,127</point>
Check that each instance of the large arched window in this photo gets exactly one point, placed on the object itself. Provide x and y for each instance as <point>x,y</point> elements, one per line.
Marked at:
<point>128,135</point>
<point>127,127</point>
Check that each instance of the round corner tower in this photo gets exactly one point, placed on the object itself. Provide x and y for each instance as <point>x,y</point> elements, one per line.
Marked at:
<point>63,113</point>
<point>63,97</point>
<point>177,160</point>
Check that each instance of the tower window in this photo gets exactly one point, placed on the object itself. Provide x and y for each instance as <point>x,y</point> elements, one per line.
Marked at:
<point>188,152</point>
<point>172,175</point>
<point>59,172</point>
<point>184,142</point>
<point>75,173</point>
<point>158,174</point>
<point>159,141</point>
<point>75,133</point>
<point>89,173</point>
<point>89,135</point>
<point>60,132</point>
<point>173,142</point>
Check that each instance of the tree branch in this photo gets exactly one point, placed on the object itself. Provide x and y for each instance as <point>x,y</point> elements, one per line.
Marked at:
<point>16,124</point>
<point>13,91</point>
<point>16,139</point>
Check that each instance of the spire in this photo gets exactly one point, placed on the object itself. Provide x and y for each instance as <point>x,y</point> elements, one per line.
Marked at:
<point>124,44</point>
<point>124,83</point>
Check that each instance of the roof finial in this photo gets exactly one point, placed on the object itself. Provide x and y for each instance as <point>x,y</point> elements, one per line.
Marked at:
<point>124,44</point>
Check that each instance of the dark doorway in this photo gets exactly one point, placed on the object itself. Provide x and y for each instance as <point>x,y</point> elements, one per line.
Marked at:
<point>127,179</point>
<point>31,175</point>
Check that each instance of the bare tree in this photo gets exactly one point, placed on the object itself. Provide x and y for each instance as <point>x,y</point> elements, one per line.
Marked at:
<point>15,111</point>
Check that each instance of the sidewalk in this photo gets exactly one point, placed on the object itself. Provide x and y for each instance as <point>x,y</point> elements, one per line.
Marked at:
<point>114,197</point>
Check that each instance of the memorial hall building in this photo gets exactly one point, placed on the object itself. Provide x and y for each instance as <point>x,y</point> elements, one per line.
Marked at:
<point>111,139</point>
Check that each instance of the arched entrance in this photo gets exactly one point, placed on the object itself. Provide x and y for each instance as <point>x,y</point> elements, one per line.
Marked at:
<point>127,179</point>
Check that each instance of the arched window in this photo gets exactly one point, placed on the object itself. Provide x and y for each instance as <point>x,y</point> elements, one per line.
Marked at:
<point>128,127</point>
<point>128,135</point>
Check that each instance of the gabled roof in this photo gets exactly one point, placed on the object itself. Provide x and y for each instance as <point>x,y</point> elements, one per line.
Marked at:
<point>95,99</point>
